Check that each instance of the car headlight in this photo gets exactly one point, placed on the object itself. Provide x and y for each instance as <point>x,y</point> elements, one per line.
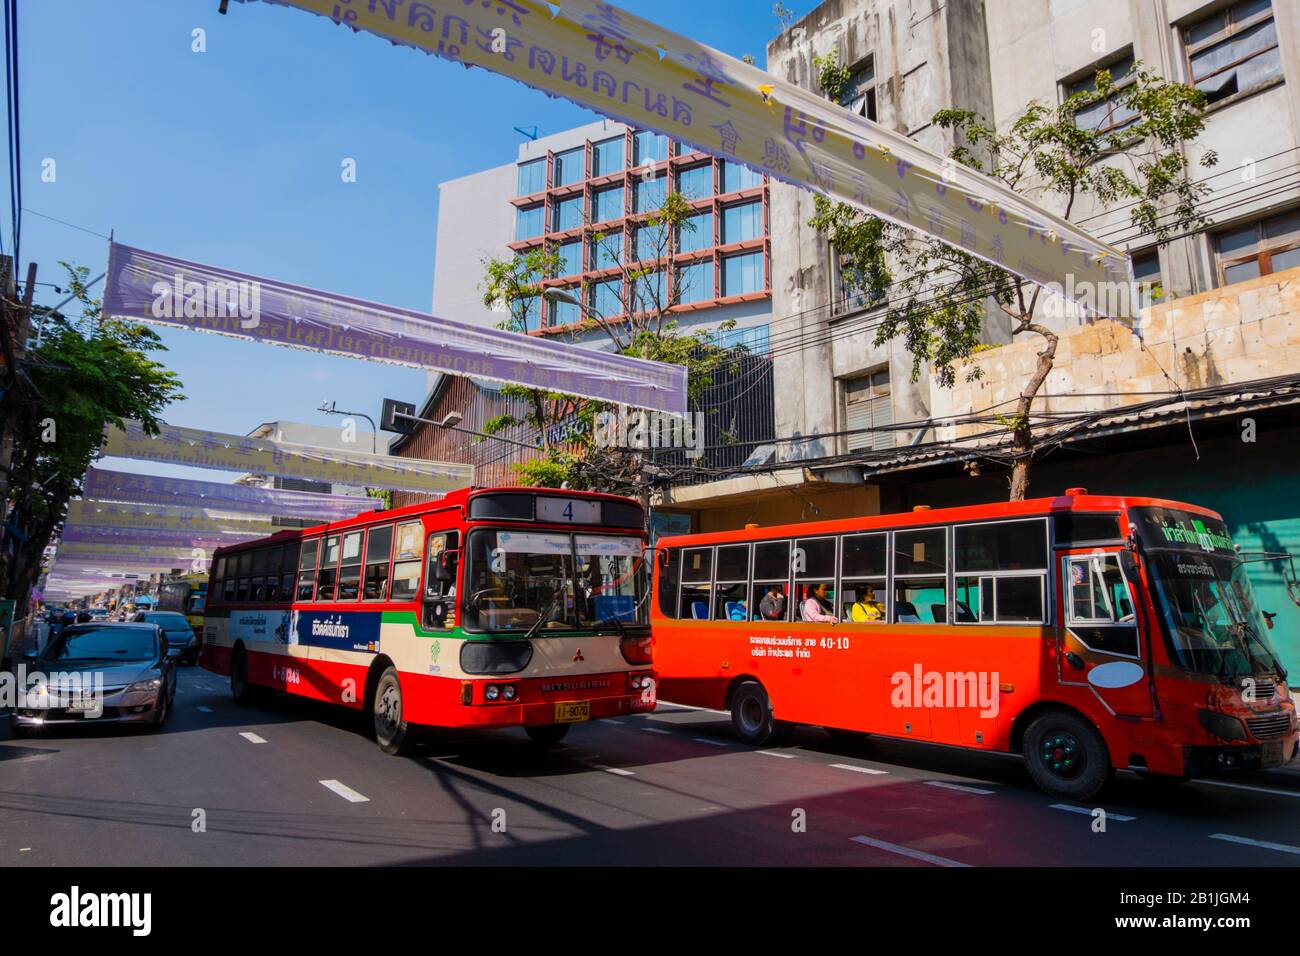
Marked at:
<point>145,686</point>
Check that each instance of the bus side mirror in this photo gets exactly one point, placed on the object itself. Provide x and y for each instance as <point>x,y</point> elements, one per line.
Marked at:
<point>1129,565</point>
<point>442,571</point>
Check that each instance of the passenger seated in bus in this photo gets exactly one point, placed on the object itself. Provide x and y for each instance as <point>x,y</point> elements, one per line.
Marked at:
<point>815,607</point>
<point>772,606</point>
<point>866,607</point>
<point>736,611</point>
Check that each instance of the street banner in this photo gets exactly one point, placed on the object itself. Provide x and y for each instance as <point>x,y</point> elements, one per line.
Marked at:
<point>263,456</point>
<point>150,287</point>
<point>98,514</point>
<point>122,486</point>
<point>98,550</point>
<point>155,537</point>
<point>604,58</point>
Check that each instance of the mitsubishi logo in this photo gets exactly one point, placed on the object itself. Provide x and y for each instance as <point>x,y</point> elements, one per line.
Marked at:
<point>578,656</point>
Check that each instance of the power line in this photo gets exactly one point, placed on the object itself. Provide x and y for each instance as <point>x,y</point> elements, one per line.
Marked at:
<point>64,222</point>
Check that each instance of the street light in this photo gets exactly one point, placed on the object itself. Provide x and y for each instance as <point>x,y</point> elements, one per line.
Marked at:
<point>556,294</point>
<point>330,408</point>
<point>450,421</point>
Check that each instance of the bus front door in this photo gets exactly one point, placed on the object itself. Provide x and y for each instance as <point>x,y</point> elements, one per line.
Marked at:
<point>1100,645</point>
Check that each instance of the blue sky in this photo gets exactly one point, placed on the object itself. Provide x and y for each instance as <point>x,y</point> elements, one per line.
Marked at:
<point>232,157</point>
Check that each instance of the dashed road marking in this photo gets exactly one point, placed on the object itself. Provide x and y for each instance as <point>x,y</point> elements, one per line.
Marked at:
<point>849,766</point>
<point>908,851</point>
<point>774,753</point>
<point>206,710</point>
<point>1246,786</point>
<point>617,771</point>
<point>252,737</point>
<point>656,730</point>
<point>344,791</point>
<point>1262,844</point>
<point>711,743</point>
<point>959,787</point>
<point>1087,811</point>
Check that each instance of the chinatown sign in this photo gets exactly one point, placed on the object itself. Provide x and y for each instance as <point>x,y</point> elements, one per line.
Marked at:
<point>622,66</point>
<point>263,456</point>
<point>150,287</point>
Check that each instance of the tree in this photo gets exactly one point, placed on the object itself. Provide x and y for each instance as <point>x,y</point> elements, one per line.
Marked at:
<point>937,297</point>
<point>86,373</point>
<point>637,268</point>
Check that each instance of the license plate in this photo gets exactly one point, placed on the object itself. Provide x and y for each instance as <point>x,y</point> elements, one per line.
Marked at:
<point>1272,754</point>
<point>572,711</point>
<point>84,702</point>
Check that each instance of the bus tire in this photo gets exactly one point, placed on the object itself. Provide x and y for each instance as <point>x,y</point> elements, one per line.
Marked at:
<point>1066,756</point>
<point>392,732</point>
<point>751,714</point>
<point>241,689</point>
<point>547,735</point>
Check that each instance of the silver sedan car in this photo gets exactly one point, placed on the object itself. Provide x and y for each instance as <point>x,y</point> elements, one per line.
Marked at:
<point>97,673</point>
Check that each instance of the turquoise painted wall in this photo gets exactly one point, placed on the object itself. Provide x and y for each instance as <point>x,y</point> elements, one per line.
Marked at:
<point>1255,486</point>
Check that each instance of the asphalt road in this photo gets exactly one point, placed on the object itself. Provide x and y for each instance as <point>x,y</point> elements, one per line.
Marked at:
<point>293,782</point>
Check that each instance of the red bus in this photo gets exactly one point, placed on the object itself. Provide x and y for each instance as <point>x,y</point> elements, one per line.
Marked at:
<point>1084,632</point>
<point>493,607</point>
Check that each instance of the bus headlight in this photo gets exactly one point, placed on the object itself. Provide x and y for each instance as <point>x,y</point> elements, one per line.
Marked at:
<point>1223,726</point>
<point>492,692</point>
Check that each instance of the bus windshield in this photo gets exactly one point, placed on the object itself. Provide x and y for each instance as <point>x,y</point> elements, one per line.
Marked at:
<point>554,581</point>
<point>1211,617</point>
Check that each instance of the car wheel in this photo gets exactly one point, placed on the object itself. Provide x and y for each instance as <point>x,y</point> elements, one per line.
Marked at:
<point>548,735</point>
<point>240,688</point>
<point>751,714</point>
<point>392,732</point>
<point>164,710</point>
<point>1066,756</point>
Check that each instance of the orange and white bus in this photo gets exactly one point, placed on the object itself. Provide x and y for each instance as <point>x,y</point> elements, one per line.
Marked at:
<point>494,607</point>
<point>1085,632</point>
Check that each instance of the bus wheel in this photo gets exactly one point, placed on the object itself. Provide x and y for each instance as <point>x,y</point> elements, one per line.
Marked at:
<point>1066,756</point>
<point>240,689</point>
<point>392,732</point>
<point>548,735</point>
<point>751,714</point>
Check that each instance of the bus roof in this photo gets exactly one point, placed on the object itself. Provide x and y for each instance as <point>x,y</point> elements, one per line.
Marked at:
<point>1075,499</point>
<point>452,500</point>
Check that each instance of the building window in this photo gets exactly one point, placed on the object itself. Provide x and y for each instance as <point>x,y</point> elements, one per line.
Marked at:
<point>695,233</point>
<point>565,313</point>
<point>607,250</point>
<point>753,339</point>
<point>528,313</point>
<point>570,254</point>
<point>650,147</point>
<point>1146,272</point>
<point>1259,248</point>
<point>742,222</point>
<point>650,193</point>
<point>695,282</point>
<point>860,94</point>
<point>742,274</point>
<point>567,214</point>
<point>607,298</point>
<point>607,156</point>
<point>696,182</point>
<point>1108,115</point>
<point>1234,50</point>
<point>650,292</point>
<point>528,222</point>
<point>867,405</point>
<point>569,167</point>
<point>736,177</point>
<point>532,177</point>
<point>650,243</point>
<point>607,204</point>
<point>853,290</point>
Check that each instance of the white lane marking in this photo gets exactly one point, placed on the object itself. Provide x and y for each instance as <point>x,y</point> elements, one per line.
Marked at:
<point>656,730</point>
<point>253,738</point>
<point>1263,844</point>
<point>849,766</point>
<point>206,710</point>
<point>711,743</point>
<point>908,851</point>
<point>1087,811</point>
<point>957,786</point>
<point>1246,786</point>
<point>617,771</point>
<point>773,753</point>
<point>344,791</point>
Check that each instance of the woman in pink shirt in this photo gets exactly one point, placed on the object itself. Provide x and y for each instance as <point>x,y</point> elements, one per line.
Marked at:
<point>814,608</point>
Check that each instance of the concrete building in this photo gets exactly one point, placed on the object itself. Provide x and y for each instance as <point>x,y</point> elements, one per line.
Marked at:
<point>319,436</point>
<point>1202,408</point>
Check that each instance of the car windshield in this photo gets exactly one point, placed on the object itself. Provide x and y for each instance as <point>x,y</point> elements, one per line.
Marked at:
<point>167,620</point>
<point>108,643</point>
<point>1212,620</point>
<point>515,580</point>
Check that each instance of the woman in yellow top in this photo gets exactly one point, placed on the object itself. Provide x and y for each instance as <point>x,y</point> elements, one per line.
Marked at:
<point>867,608</point>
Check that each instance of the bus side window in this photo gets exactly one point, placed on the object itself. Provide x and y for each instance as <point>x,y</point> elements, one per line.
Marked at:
<point>440,579</point>
<point>670,571</point>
